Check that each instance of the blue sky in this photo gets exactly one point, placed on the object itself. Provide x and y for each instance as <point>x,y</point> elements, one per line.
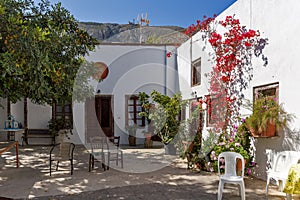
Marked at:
<point>160,12</point>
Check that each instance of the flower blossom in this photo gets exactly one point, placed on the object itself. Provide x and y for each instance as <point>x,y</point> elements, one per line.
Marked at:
<point>248,171</point>
<point>221,143</point>
<point>222,160</point>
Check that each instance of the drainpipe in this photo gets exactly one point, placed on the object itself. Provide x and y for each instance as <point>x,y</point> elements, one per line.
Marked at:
<point>250,21</point>
<point>165,71</point>
<point>191,60</point>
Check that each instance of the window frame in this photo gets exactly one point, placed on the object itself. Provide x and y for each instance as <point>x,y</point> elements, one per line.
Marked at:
<point>266,91</point>
<point>212,108</point>
<point>266,87</point>
<point>135,112</point>
<point>66,112</point>
<point>196,72</point>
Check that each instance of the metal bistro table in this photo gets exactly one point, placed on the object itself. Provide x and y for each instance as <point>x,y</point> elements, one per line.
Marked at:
<point>14,134</point>
<point>292,185</point>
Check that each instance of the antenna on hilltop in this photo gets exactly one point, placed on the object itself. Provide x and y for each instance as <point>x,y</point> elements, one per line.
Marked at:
<point>142,21</point>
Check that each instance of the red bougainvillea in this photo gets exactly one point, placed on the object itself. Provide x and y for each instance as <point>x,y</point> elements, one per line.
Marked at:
<point>168,54</point>
<point>232,69</point>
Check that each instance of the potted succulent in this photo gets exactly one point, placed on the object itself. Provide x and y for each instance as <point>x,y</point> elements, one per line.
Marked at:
<point>267,117</point>
<point>131,129</point>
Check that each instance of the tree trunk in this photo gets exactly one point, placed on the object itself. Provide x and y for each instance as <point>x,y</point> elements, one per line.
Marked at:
<point>26,116</point>
<point>8,107</point>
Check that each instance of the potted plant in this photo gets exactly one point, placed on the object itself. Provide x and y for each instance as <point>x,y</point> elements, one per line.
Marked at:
<point>165,118</point>
<point>147,106</point>
<point>267,117</point>
<point>131,129</point>
<point>60,128</point>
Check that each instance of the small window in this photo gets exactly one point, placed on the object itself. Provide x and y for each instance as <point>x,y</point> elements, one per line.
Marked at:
<point>196,72</point>
<point>196,115</point>
<point>269,90</point>
<point>133,108</point>
<point>215,111</point>
<point>265,92</point>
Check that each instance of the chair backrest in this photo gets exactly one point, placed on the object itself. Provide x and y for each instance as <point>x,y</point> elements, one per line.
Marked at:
<point>66,150</point>
<point>98,143</point>
<point>284,160</point>
<point>115,140</point>
<point>230,160</point>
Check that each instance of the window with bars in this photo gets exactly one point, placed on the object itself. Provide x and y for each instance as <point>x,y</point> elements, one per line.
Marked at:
<point>132,109</point>
<point>196,72</point>
<point>64,112</point>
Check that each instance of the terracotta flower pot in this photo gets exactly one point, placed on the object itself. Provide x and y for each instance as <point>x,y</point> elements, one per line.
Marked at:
<point>132,140</point>
<point>269,132</point>
<point>148,136</point>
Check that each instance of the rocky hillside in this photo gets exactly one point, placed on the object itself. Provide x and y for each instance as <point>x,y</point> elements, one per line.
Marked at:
<point>131,33</point>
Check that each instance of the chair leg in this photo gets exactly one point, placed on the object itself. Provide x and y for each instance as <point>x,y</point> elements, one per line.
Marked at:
<point>90,162</point>
<point>93,162</point>
<point>122,160</point>
<point>108,160</point>
<point>117,160</point>
<point>242,190</point>
<point>267,186</point>
<point>103,161</point>
<point>220,190</point>
<point>72,167</point>
<point>57,165</point>
<point>50,163</point>
<point>281,185</point>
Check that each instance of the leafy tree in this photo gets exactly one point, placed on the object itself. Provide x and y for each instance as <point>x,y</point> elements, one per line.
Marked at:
<point>41,50</point>
<point>165,116</point>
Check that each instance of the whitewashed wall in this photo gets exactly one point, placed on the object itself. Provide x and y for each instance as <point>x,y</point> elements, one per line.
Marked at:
<point>132,69</point>
<point>277,21</point>
<point>38,115</point>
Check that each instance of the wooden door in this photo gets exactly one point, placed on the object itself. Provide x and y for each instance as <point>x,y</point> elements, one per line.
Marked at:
<point>99,116</point>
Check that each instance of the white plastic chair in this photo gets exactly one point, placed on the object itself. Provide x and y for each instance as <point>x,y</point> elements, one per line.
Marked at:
<point>230,175</point>
<point>280,169</point>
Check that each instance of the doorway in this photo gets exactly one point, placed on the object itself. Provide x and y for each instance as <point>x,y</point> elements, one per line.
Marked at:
<point>99,116</point>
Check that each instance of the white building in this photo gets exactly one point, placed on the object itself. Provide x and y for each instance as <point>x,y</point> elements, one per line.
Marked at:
<point>276,21</point>
<point>133,68</point>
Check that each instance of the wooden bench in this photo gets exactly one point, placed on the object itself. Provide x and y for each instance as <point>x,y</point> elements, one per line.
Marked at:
<point>37,134</point>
